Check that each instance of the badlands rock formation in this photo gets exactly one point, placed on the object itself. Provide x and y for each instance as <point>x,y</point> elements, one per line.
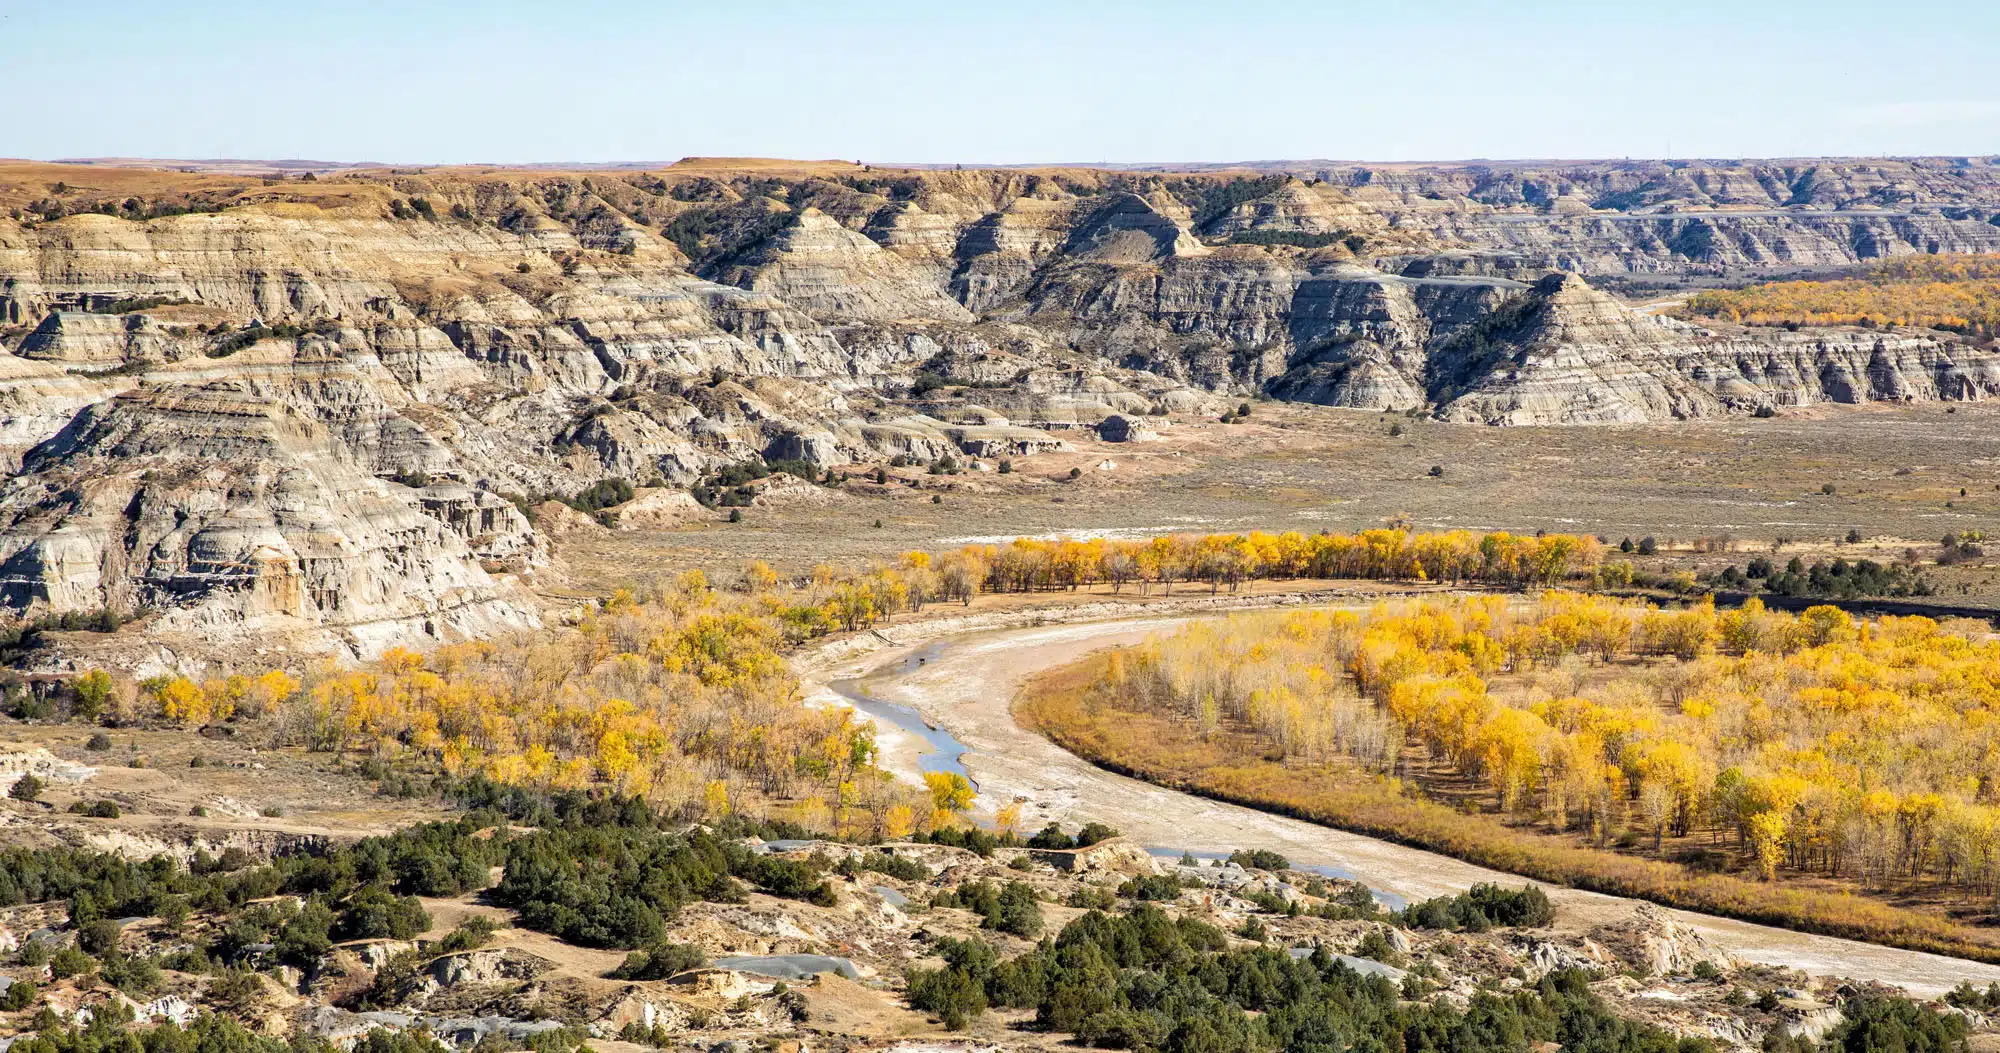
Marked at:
<point>198,492</point>
<point>1704,217</point>
<point>268,404</point>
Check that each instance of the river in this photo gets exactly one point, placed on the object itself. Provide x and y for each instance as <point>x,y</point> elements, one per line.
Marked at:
<point>944,704</point>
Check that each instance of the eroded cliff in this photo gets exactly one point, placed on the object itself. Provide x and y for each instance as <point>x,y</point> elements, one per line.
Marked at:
<point>320,403</point>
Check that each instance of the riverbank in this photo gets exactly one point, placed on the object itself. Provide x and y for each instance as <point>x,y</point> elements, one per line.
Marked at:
<point>1232,767</point>
<point>970,684</point>
<point>843,670</point>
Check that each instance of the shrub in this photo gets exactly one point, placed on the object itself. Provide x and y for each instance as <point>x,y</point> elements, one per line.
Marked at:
<point>26,788</point>
<point>174,911</point>
<point>1295,238</point>
<point>660,961</point>
<point>1483,907</point>
<point>98,936</point>
<point>470,933</point>
<point>883,863</point>
<point>956,993</point>
<point>1966,996</point>
<point>616,886</point>
<point>1872,1024</point>
<point>1092,833</point>
<point>601,495</point>
<point>132,975</point>
<point>1375,944</point>
<point>18,996</point>
<point>98,743</point>
<point>1019,913</point>
<point>68,962</point>
<point>973,840</point>
<point>1259,859</point>
<point>1089,898</point>
<point>1152,887</point>
<point>240,989</point>
<point>375,913</point>
<point>1051,837</point>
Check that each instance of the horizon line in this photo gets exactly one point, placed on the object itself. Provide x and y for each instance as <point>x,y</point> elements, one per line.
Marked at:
<point>320,165</point>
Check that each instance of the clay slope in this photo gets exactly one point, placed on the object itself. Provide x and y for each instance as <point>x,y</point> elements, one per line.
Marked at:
<point>179,491</point>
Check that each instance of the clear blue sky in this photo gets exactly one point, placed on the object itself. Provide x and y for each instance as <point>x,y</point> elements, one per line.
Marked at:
<point>1022,81</point>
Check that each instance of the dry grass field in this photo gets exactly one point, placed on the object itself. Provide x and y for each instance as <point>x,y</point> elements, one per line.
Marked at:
<point>1741,484</point>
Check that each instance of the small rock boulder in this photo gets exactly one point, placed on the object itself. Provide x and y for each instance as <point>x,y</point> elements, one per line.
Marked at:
<point>1119,427</point>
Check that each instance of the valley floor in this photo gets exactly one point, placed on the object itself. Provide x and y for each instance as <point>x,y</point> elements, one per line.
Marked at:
<point>1738,484</point>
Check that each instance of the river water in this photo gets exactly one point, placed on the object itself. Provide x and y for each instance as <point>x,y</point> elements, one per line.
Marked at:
<point>942,751</point>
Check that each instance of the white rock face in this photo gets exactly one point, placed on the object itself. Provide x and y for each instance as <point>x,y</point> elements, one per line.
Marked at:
<point>43,765</point>
<point>207,491</point>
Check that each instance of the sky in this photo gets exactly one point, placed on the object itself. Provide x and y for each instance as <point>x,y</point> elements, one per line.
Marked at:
<point>468,81</point>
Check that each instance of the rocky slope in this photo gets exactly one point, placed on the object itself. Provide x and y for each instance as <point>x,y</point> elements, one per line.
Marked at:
<point>318,404</point>
<point>835,974</point>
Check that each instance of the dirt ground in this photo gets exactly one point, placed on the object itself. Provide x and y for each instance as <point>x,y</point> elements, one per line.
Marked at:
<point>968,685</point>
<point>251,797</point>
<point>1742,483</point>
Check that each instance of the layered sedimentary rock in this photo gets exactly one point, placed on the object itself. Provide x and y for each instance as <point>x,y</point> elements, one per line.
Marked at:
<point>1298,208</point>
<point>211,493</point>
<point>1565,353</point>
<point>1665,217</point>
<point>199,374</point>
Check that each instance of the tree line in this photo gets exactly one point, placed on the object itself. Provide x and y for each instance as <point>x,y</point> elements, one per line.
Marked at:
<point>1810,743</point>
<point>678,689</point>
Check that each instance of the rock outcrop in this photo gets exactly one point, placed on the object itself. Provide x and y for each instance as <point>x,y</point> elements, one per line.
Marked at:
<point>179,491</point>
<point>1653,942</point>
<point>1121,428</point>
